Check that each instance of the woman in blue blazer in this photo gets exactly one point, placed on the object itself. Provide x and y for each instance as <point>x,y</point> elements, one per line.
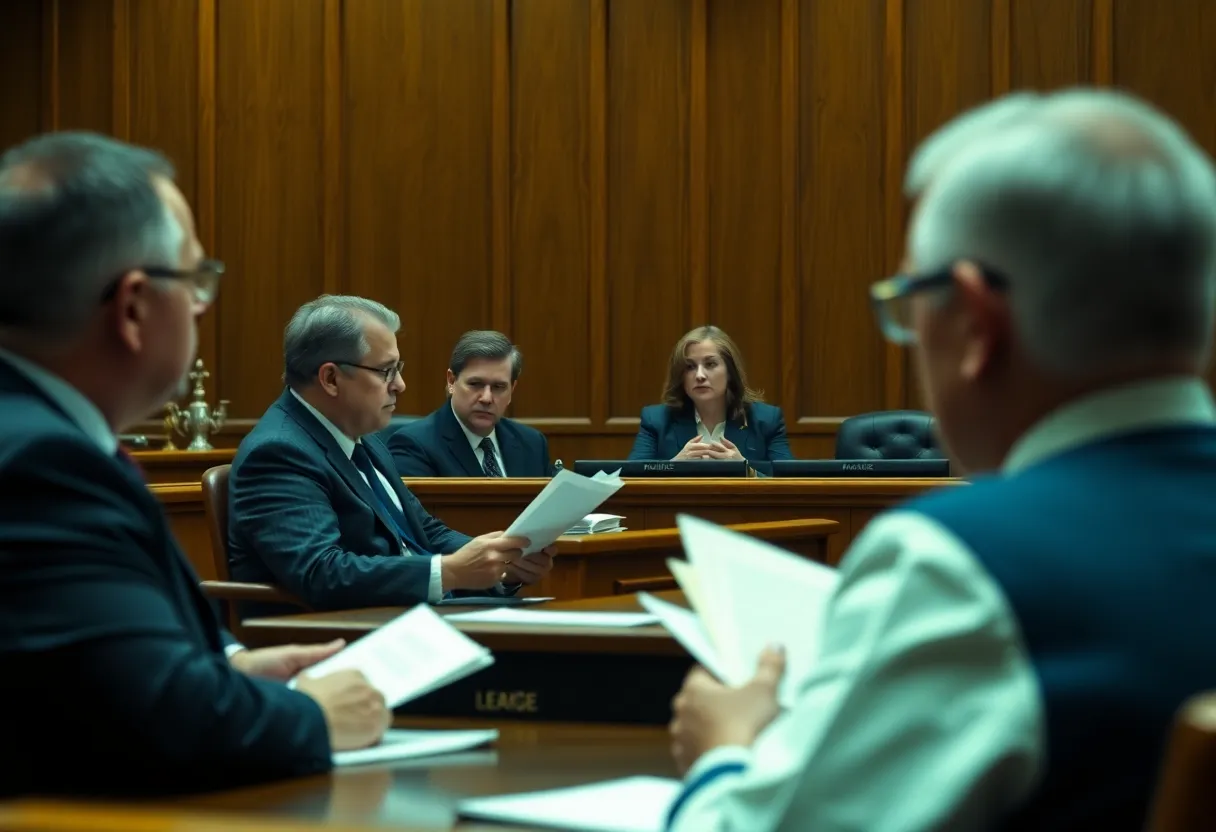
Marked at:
<point>708,411</point>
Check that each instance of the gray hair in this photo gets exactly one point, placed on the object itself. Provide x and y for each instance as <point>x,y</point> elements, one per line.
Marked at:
<point>485,343</point>
<point>330,328</point>
<point>945,143</point>
<point>77,211</point>
<point>1101,212</point>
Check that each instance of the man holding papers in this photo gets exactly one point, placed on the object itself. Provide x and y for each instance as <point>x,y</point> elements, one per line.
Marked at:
<point>114,678</point>
<point>316,505</point>
<point>1010,653</point>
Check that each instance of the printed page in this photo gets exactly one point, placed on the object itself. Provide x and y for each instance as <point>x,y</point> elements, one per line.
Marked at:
<point>686,577</point>
<point>756,595</point>
<point>556,618</point>
<point>686,628</point>
<point>567,499</point>
<point>413,654</point>
<point>407,745</point>
<point>631,804</point>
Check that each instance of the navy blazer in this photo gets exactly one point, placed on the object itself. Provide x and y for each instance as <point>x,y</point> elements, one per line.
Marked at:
<point>436,446</point>
<point>664,431</point>
<point>115,680</point>
<point>301,516</point>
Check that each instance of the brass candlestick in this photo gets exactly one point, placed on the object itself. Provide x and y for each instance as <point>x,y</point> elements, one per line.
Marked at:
<point>197,421</point>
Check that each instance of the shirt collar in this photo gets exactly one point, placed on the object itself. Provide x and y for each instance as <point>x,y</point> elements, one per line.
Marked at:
<point>474,439</point>
<point>1161,403</point>
<point>75,404</point>
<point>344,442</point>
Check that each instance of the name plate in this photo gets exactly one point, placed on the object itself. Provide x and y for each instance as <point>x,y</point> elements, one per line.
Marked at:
<point>665,467</point>
<point>563,687</point>
<point>861,468</point>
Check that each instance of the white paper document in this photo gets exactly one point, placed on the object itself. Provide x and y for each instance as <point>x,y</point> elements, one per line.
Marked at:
<point>566,500</point>
<point>632,804</point>
<point>409,745</point>
<point>555,618</point>
<point>747,594</point>
<point>410,656</point>
<point>597,524</point>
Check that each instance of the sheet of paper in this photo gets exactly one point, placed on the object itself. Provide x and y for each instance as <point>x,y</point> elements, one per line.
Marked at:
<point>686,577</point>
<point>755,594</point>
<point>686,628</point>
<point>415,653</point>
<point>407,745</point>
<point>567,499</point>
<point>632,804</point>
<point>555,618</point>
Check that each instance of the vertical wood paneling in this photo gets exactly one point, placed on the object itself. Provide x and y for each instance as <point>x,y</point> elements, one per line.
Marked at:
<point>896,359</point>
<point>698,163</point>
<point>121,82</point>
<point>50,65</point>
<point>333,174</point>
<point>745,190</point>
<point>21,57</point>
<point>1051,43</point>
<point>84,72</point>
<point>268,208</point>
<point>204,193</point>
<point>549,144</point>
<point>1103,42</point>
<point>841,353</point>
<point>597,168</point>
<point>1000,46</point>
<point>501,311</point>
<point>790,294</point>
<point>419,179</point>
<point>648,235</point>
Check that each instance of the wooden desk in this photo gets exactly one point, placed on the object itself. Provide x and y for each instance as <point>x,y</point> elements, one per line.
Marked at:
<point>587,674</point>
<point>477,506</point>
<point>163,467</point>
<point>419,795</point>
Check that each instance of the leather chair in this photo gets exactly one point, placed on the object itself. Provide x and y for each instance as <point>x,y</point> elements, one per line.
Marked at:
<point>888,434</point>
<point>222,590</point>
<point>1185,800</point>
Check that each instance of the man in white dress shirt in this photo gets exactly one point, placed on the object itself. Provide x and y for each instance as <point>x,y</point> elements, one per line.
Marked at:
<point>1010,653</point>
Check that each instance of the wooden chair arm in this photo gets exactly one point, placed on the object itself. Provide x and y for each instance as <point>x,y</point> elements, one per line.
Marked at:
<point>628,586</point>
<point>236,591</point>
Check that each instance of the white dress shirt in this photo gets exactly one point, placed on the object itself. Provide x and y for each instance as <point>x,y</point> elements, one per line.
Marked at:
<point>81,411</point>
<point>475,444</point>
<point>924,710</point>
<point>709,436</point>
<point>434,590</point>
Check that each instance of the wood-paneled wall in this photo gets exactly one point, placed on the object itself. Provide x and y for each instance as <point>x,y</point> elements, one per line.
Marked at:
<point>592,177</point>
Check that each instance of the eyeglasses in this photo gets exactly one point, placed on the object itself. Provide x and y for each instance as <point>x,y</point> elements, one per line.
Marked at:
<point>892,299</point>
<point>204,280</point>
<point>385,373</point>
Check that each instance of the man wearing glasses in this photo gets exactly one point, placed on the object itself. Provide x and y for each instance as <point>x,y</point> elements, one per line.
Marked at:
<point>316,504</point>
<point>1011,653</point>
<point>116,676</point>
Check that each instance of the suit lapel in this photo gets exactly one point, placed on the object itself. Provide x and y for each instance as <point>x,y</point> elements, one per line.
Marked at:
<point>740,436</point>
<point>383,460</point>
<point>512,449</point>
<point>339,460</point>
<point>457,442</point>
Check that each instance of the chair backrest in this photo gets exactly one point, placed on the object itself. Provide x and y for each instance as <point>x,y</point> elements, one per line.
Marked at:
<point>887,434</point>
<point>394,424</point>
<point>1186,793</point>
<point>215,509</point>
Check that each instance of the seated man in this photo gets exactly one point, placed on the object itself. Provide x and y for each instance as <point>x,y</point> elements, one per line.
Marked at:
<point>468,436</point>
<point>1011,654</point>
<point>316,505</point>
<point>113,674</point>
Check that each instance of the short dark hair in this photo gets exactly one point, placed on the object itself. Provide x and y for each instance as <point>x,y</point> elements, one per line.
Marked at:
<point>77,209</point>
<point>485,343</point>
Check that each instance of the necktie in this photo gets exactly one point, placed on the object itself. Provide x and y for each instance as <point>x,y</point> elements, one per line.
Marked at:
<point>363,462</point>
<point>489,462</point>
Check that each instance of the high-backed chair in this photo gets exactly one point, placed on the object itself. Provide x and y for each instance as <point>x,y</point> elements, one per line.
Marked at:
<point>887,434</point>
<point>1186,794</point>
<point>224,591</point>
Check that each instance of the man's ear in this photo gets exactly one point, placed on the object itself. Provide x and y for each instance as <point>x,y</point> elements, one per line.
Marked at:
<point>451,380</point>
<point>983,321</point>
<point>131,309</point>
<point>327,378</point>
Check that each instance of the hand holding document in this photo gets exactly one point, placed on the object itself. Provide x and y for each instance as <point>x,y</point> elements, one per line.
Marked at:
<point>746,595</point>
<point>631,804</point>
<point>410,656</point>
<point>566,500</point>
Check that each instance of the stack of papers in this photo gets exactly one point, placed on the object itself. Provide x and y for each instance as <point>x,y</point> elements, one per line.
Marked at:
<point>410,656</point>
<point>408,745</point>
<point>566,500</point>
<point>745,595</point>
<point>556,618</point>
<point>632,804</point>
<point>597,524</point>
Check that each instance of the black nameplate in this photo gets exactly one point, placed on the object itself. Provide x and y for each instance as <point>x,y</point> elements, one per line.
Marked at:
<point>562,687</point>
<point>861,468</point>
<point>665,467</point>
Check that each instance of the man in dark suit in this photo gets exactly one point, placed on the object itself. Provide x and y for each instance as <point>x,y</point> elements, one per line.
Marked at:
<point>117,678</point>
<point>315,502</point>
<point>468,436</point>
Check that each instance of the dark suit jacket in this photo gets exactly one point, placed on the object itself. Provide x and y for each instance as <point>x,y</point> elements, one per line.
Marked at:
<point>664,432</point>
<point>301,516</point>
<point>113,678</point>
<point>435,446</point>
